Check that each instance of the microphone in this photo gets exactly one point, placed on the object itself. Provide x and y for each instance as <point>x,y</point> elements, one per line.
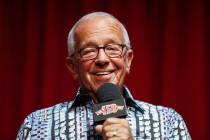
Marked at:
<point>111,103</point>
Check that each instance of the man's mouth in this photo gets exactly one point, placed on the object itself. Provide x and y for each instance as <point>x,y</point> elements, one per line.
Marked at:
<point>103,76</point>
<point>103,73</point>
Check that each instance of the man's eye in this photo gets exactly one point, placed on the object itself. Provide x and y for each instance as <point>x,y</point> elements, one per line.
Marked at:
<point>112,48</point>
<point>88,51</point>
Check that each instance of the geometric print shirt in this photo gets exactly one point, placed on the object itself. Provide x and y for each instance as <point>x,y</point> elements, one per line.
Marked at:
<point>74,121</point>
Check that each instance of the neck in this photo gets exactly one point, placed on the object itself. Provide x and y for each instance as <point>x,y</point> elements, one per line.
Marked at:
<point>84,90</point>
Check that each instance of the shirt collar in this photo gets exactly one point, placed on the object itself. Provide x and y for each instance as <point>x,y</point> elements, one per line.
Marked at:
<point>82,97</point>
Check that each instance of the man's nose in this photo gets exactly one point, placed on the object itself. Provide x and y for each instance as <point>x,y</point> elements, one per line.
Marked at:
<point>102,54</point>
<point>102,59</point>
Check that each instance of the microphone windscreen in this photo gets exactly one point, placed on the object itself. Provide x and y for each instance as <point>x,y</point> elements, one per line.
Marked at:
<point>108,92</point>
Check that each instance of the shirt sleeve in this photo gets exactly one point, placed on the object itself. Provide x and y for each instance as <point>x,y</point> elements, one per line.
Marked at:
<point>25,129</point>
<point>177,128</point>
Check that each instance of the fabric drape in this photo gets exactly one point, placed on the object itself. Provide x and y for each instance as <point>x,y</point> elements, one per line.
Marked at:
<point>171,63</point>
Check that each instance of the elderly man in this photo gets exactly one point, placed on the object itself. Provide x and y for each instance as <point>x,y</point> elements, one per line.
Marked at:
<point>100,52</point>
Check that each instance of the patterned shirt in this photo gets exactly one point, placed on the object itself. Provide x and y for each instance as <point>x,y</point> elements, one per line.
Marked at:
<point>74,120</point>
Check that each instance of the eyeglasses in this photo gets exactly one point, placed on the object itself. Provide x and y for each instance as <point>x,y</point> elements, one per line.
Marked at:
<point>111,50</point>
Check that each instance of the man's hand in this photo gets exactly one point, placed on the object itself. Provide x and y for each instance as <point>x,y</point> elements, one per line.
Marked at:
<point>115,129</point>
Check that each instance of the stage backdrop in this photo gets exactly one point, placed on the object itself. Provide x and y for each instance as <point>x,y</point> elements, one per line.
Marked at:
<point>170,39</point>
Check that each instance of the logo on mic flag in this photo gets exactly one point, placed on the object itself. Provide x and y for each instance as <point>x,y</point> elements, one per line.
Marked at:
<point>114,108</point>
<point>109,109</point>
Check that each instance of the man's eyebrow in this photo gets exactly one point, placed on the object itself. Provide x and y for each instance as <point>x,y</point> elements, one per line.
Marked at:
<point>91,43</point>
<point>111,40</point>
<point>94,43</point>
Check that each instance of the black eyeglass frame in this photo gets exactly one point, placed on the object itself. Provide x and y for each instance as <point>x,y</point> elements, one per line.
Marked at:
<point>101,47</point>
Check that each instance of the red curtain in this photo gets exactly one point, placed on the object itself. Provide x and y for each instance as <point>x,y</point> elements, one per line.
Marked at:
<point>171,65</point>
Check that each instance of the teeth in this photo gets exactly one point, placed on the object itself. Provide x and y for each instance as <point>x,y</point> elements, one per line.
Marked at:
<point>102,73</point>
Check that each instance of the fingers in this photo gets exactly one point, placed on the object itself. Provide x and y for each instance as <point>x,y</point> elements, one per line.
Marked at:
<point>112,121</point>
<point>110,134</point>
<point>98,129</point>
<point>115,128</point>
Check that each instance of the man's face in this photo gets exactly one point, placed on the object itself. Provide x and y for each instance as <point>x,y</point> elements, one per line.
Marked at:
<point>93,73</point>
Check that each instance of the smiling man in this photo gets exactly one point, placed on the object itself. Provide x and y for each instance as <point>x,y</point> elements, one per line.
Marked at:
<point>100,52</point>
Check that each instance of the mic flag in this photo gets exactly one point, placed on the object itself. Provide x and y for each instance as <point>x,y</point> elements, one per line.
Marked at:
<point>111,103</point>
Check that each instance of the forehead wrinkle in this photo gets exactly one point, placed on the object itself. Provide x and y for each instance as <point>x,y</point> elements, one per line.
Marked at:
<point>109,38</point>
<point>105,28</point>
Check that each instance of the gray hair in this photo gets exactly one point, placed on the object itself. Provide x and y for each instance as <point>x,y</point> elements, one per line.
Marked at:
<point>71,40</point>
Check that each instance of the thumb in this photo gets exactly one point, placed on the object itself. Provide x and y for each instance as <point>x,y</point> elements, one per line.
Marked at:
<point>98,129</point>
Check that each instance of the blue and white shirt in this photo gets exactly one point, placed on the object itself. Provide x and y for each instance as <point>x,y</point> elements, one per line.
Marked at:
<point>74,121</point>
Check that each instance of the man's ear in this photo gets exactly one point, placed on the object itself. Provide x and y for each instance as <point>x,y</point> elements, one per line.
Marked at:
<point>70,63</point>
<point>128,60</point>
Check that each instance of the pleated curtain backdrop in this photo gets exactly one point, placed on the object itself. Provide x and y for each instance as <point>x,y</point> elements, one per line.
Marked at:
<point>171,67</point>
